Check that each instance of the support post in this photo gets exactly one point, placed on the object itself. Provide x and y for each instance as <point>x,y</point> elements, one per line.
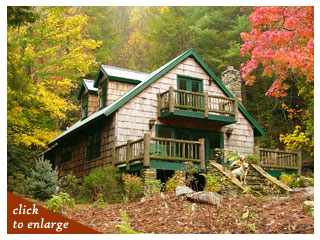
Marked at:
<point>299,162</point>
<point>146,155</point>
<point>206,105</point>
<point>114,158</point>
<point>202,155</point>
<point>171,99</point>
<point>236,109</point>
<point>129,154</point>
<point>257,152</point>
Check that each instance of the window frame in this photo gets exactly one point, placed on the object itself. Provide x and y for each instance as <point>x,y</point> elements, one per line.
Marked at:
<point>84,106</point>
<point>93,148</point>
<point>66,153</point>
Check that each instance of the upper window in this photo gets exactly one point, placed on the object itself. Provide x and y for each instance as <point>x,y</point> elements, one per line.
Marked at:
<point>93,144</point>
<point>66,153</point>
<point>190,84</point>
<point>84,112</point>
<point>103,95</point>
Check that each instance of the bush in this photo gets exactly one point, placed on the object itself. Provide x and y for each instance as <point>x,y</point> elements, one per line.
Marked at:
<point>132,185</point>
<point>152,186</point>
<point>252,159</point>
<point>293,181</point>
<point>172,183</point>
<point>17,183</point>
<point>190,170</point>
<point>43,180</point>
<point>60,203</point>
<point>212,183</point>
<point>70,184</point>
<point>105,181</point>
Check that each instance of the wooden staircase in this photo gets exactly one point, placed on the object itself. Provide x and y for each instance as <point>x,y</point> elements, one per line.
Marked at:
<point>259,181</point>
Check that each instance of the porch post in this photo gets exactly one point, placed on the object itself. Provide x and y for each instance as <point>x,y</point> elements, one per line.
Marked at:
<point>129,154</point>
<point>114,160</point>
<point>171,100</point>
<point>299,162</point>
<point>159,104</point>
<point>202,155</point>
<point>206,106</point>
<point>236,109</point>
<point>146,155</point>
<point>257,153</point>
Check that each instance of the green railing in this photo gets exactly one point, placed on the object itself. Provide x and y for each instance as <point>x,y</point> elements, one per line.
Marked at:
<point>154,148</point>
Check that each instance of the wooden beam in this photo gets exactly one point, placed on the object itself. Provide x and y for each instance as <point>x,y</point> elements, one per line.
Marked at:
<point>206,106</point>
<point>202,155</point>
<point>146,155</point>
<point>129,154</point>
<point>236,110</point>
<point>299,162</point>
<point>257,153</point>
<point>171,99</point>
<point>159,104</point>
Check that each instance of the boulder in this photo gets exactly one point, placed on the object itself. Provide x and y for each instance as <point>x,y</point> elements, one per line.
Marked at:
<point>308,193</point>
<point>308,206</point>
<point>205,197</point>
<point>183,191</point>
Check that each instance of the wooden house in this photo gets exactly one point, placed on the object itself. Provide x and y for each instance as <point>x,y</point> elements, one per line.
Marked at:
<point>159,120</point>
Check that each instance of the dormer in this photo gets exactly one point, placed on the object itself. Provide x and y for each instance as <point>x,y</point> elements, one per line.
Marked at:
<point>88,95</point>
<point>113,82</point>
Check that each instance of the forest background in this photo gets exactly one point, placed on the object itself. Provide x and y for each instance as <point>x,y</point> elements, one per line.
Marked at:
<point>50,49</point>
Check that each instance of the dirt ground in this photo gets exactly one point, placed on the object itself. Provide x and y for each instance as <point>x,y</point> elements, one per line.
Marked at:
<point>167,213</point>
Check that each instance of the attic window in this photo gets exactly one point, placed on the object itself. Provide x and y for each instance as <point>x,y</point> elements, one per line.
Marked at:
<point>84,112</point>
<point>103,95</point>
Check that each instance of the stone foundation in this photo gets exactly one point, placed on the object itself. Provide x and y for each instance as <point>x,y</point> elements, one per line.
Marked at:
<point>148,173</point>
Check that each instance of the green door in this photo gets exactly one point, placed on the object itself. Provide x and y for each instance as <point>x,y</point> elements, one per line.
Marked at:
<point>191,85</point>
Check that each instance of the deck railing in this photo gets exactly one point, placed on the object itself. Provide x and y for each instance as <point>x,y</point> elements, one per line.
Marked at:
<point>185,100</point>
<point>279,159</point>
<point>154,148</point>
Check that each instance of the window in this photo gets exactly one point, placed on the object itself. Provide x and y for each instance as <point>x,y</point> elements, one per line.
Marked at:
<point>66,153</point>
<point>93,144</point>
<point>103,95</point>
<point>84,112</point>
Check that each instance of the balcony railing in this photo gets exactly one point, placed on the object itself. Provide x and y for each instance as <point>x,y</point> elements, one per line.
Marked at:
<point>148,148</point>
<point>202,102</point>
<point>279,159</point>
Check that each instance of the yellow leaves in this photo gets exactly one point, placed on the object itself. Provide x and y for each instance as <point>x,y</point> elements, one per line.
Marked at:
<point>296,140</point>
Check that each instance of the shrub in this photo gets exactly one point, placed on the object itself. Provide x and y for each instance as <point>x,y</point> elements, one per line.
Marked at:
<point>43,180</point>
<point>132,185</point>
<point>70,184</point>
<point>190,170</point>
<point>286,179</point>
<point>17,183</point>
<point>60,203</point>
<point>152,186</point>
<point>172,183</point>
<point>292,180</point>
<point>100,202</point>
<point>212,183</point>
<point>105,181</point>
<point>252,159</point>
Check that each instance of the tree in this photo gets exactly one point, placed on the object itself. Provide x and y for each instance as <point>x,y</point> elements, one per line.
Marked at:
<point>282,42</point>
<point>19,16</point>
<point>45,61</point>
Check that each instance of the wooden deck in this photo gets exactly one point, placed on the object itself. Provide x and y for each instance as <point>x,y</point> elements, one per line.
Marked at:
<point>176,99</point>
<point>279,160</point>
<point>146,149</point>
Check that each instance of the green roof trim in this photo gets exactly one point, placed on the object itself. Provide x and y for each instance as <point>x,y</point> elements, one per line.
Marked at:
<point>107,111</point>
<point>84,86</point>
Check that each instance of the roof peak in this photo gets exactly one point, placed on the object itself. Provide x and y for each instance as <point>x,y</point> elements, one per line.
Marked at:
<point>125,69</point>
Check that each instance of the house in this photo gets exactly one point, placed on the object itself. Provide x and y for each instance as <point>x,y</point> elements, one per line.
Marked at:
<point>148,121</point>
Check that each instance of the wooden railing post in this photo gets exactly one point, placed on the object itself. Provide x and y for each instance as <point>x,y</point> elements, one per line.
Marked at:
<point>171,99</point>
<point>202,155</point>
<point>236,109</point>
<point>206,105</point>
<point>129,154</point>
<point>146,155</point>
<point>159,104</point>
<point>299,162</point>
<point>257,152</point>
<point>114,157</point>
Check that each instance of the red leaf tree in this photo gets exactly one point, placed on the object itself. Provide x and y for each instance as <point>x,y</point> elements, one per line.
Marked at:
<point>282,40</point>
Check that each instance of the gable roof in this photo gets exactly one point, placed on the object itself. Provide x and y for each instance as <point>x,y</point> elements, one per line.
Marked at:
<point>152,77</point>
<point>87,85</point>
<point>120,74</point>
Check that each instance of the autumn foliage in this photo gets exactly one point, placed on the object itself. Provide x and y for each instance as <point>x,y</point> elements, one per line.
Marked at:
<point>281,39</point>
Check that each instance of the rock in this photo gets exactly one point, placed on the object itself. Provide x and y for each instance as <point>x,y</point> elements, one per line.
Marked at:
<point>205,197</point>
<point>308,193</point>
<point>183,190</point>
<point>308,206</point>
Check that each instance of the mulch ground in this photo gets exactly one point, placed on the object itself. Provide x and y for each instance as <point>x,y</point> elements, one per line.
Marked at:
<point>170,214</point>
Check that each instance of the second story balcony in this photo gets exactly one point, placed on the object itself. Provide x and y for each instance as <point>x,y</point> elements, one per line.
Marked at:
<point>175,103</point>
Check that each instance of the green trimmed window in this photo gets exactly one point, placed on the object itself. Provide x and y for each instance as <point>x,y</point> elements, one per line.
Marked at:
<point>93,144</point>
<point>84,112</point>
<point>66,153</point>
<point>103,95</point>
